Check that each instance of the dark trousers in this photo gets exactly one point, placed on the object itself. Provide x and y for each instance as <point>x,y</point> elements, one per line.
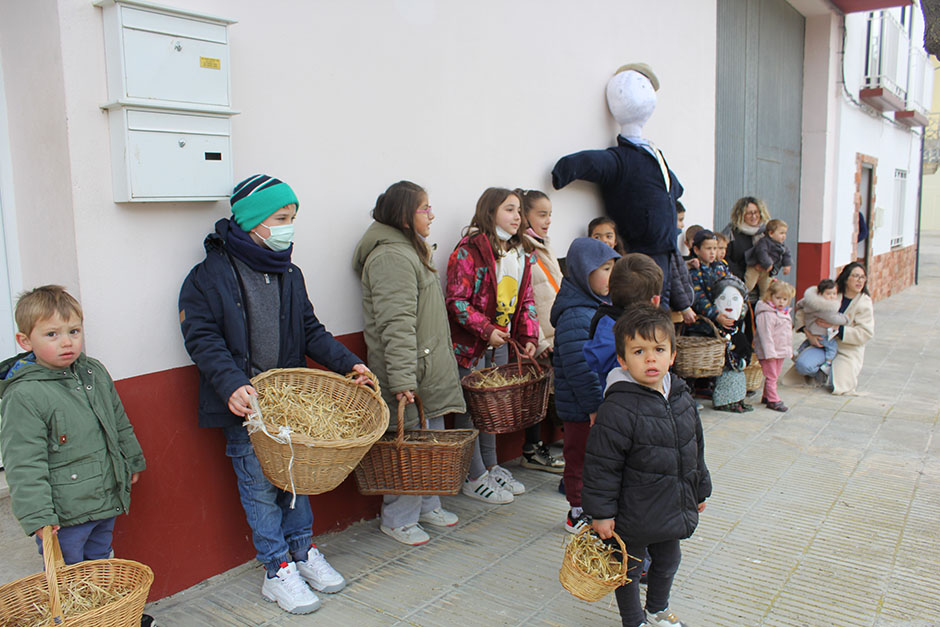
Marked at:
<point>665,558</point>
<point>87,541</point>
<point>576,435</point>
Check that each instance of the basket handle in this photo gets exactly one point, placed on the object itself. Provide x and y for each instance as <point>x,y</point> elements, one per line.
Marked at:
<point>520,353</point>
<point>52,559</point>
<point>402,403</point>
<point>623,548</point>
<point>368,374</point>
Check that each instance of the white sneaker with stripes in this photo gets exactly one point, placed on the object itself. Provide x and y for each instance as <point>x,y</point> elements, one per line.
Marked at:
<point>484,488</point>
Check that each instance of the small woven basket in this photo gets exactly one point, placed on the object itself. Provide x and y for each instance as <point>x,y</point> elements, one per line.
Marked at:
<point>318,466</point>
<point>699,357</point>
<point>587,586</point>
<point>419,461</point>
<point>753,375</point>
<point>21,600</point>
<point>508,408</point>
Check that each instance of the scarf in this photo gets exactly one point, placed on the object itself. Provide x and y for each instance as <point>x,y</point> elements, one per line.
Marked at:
<point>258,258</point>
<point>747,229</point>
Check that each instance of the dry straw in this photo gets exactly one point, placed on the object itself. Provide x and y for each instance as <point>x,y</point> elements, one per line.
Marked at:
<point>591,568</point>
<point>312,413</point>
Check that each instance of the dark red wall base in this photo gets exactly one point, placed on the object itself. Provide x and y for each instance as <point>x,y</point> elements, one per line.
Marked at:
<point>186,521</point>
<point>813,264</point>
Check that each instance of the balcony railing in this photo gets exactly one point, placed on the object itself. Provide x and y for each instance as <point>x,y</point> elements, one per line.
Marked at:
<point>888,47</point>
<point>916,88</point>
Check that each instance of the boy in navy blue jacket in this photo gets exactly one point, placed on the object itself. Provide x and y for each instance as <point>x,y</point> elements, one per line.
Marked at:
<point>577,389</point>
<point>644,471</point>
<point>245,310</point>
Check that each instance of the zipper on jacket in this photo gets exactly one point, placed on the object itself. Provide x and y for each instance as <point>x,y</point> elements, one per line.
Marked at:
<point>241,295</point>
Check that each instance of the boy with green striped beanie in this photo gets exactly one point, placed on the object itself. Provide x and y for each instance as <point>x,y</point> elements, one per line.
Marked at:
<point>257,197</point>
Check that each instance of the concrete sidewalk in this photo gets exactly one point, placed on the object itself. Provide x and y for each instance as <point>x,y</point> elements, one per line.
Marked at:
<point>826,515</point>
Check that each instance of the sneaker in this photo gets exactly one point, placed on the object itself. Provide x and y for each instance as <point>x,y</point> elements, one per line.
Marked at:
<point>826,368</point>
<point>663,619</point>
<point>408,534</point>
<point>439,517</point>
<point>574,525</point>
<point>778,406</point>
<point>537,457</point>
<point>289,591</point>
<point>147,621</point>
<point>484,488</point>
<point>505,479</point>
<point>319,574</point>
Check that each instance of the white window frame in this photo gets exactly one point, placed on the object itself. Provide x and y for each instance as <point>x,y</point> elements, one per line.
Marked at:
<point>900,201</point>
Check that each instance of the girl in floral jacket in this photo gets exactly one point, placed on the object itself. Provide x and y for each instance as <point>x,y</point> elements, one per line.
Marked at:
<point>489,301</point>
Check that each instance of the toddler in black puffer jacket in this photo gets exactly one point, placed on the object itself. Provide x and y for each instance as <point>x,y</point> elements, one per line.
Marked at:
<point>644,472</point>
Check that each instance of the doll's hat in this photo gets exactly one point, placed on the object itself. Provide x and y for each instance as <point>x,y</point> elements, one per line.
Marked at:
<point>643,69</point>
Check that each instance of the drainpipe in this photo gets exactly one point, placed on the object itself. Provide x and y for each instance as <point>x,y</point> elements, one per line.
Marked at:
<point>920,188</point>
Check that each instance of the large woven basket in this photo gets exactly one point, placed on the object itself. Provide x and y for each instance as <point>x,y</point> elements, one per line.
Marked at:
<point>699,357</point>
<point>316,466</point>
<point>20,600</point>
<point>753,375</point>
<point>419,461</point>
<point>585,586</point>
<point>508,408</point>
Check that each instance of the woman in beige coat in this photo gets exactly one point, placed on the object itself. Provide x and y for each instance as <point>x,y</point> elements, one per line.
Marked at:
<point>852,337</point>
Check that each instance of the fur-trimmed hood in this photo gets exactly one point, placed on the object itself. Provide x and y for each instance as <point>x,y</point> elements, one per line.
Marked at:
<point>813,302</point>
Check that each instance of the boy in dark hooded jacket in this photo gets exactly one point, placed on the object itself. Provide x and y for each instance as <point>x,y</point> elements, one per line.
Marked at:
<point>644,470</point>
<point>578,390</point>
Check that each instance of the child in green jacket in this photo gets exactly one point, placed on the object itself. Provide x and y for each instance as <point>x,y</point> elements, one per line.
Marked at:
<point>68,447</point>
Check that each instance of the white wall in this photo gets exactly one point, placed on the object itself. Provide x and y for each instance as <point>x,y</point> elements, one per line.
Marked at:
<point>342,99</point>
<point>894,145</point>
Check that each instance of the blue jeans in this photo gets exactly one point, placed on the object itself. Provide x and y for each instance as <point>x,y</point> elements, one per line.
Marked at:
<point>278,532</point>
<point>811,357</point>
<point>87,541</point>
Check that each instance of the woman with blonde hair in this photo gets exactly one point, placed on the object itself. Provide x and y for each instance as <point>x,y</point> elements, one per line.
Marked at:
<point>749,217</point>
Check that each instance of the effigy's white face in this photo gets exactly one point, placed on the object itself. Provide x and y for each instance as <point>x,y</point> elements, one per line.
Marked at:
<point>631,99</point>
<point>730,302</point>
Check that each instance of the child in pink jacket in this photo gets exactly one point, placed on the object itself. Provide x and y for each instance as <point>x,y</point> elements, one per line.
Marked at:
<point>773,340</point>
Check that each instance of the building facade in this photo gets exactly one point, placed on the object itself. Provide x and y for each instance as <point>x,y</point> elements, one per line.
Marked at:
<point>454,96</point>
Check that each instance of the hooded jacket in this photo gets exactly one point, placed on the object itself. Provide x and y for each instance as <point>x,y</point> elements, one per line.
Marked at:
<point>471,299</point>
<point>405,322</point>
<point>578,390</point>
<point>773,336</point>
<point>215,329</point>
<point>769,253</point>
<point>815,308</point>
<point>67,444</point>
<point>645,463</point>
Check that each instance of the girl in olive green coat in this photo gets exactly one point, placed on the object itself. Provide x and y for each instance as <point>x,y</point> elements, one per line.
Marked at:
<point>407,334</point>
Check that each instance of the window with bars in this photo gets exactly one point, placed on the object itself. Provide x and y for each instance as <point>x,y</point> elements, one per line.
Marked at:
<point>900,197</point>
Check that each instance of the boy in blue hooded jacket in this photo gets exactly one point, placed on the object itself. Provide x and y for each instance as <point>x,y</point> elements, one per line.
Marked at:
<point>578,391</point>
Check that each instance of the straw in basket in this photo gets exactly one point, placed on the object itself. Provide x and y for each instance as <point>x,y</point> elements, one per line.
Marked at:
<point>298,463</point>
<point>419,461</point>
<point>24,601</point>
<point>698,357</point>
<point>589,586</point>
<point>753,375</point>
<point>508,408</point>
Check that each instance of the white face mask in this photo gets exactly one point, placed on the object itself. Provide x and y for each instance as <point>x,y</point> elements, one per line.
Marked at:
<point>279,238</point>
<point>503,234</point>
<point>730,302</point>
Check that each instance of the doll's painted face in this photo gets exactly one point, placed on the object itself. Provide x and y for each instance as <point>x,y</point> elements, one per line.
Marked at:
<point>730,302</point>
<point>630,98</point>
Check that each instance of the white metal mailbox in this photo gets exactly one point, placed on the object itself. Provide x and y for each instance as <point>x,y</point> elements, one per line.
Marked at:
<point>169,102</point>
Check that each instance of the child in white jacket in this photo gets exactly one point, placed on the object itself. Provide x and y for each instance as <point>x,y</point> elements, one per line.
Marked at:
<point>822,302</point>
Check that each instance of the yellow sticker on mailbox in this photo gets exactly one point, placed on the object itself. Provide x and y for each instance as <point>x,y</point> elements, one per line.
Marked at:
<point>210,63</point>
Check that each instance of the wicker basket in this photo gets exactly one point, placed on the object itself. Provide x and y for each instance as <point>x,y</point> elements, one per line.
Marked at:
<point>589,587</point>
<point>316,466</point>
<point>508,408</point>
<point>19,600</point>
<point>420,461</point>
<point>753,375</point>
<point>698,357</point>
